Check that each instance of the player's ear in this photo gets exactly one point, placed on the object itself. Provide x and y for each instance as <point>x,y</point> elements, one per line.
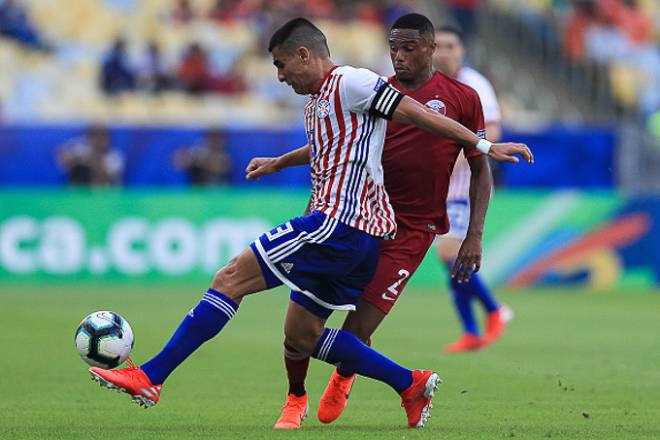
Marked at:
<point>304,54</point>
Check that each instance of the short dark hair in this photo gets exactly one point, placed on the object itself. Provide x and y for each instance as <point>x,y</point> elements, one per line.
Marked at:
<point>416,22</point>
<point>299,32</point>
<point>452,29</point>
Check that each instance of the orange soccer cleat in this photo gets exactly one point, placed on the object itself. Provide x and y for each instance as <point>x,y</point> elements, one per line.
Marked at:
<point>335,397</point>
<point>467,342</point>
<point>416,399</point>
<point>294,412</point>
<point>131,380</point>
<point>496,323</point>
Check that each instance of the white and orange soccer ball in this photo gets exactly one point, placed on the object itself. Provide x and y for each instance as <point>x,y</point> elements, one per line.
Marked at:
<point>104,339</point>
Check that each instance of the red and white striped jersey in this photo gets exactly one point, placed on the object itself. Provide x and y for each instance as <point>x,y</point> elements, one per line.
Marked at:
<point>346,123</point>
<point>459,185</point>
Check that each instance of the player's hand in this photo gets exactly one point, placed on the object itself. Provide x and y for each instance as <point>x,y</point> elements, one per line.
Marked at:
<point>468,259</point>
<point>507,151</point>
<point>261,166</point>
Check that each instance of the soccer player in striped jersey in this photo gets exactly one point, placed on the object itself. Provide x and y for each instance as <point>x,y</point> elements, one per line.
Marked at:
<point>448,58</point>
<point>417,168</point>
<point>328,256</point>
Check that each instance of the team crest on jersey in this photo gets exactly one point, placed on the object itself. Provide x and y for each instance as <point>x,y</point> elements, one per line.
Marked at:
<point>438,106</point>
<point>322,108</point>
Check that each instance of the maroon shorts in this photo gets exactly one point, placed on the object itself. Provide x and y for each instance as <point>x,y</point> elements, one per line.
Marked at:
<point>399,259</point>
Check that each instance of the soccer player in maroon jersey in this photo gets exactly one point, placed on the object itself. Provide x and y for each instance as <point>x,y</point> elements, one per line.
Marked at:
<point>417,167</point>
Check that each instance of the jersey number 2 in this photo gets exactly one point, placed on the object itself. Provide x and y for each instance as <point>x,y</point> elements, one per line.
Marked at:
<point>394,288</point>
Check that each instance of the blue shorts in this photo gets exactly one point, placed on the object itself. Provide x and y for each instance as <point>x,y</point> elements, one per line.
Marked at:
<point>458,212</point>
<point>325,263</point>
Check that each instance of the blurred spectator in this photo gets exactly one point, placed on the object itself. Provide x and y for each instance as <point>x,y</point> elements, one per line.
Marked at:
<point>367,12</point>
<point>465,12</point>
<point>224,11</point>
<point>605,29</point>
<point>116,73</point>
<point>207,163</point>
<point>634,22</point>
<point>91,161</point>
<point>320,9</point>
<point>15,23</point>
<point>153,75</point>
<point>580,20</point>
<point>194,71</point>
<point>603,40</point>
<point>196,76</point>
<point>231,83</point>
<point>393,10</point>
<point>183,12</point>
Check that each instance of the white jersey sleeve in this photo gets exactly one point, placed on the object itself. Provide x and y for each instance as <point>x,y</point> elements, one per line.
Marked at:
<point>367,92</point>
<point>485,90</point>
<point>459,184</point>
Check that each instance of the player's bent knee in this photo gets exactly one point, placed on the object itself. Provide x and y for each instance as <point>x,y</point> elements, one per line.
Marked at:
<point>224,281</point>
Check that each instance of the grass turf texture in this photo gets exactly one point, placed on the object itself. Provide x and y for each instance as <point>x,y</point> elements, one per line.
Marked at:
<point>572,366</point>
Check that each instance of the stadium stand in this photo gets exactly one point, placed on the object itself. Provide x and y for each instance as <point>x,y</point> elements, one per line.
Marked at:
<point>64,84</point>
<point>618,37</point>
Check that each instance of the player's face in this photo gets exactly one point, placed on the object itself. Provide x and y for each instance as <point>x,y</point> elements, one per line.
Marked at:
<point>449,53</point>
<point>292,70</point>
<point>411,54</point>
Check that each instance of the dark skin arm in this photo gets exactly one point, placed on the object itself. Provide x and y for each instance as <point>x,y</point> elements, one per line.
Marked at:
<point>468,259</point>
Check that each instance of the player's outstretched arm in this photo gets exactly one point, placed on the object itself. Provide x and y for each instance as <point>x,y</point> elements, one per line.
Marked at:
<point>262,166</point>
<point>468,259</point>
<point>410,111</point>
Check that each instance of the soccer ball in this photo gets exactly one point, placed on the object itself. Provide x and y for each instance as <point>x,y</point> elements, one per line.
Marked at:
<point>104,339</point>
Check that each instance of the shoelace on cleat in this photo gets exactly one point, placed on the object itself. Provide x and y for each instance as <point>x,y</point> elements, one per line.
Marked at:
<point>131,363</point>
<point>339,390</point>
<point>290,403</point>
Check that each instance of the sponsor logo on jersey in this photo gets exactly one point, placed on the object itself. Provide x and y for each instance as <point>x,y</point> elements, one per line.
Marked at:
<point>322,108</point>
<point>379,84</point>
<point>438,106</point>
<point>287,267</point>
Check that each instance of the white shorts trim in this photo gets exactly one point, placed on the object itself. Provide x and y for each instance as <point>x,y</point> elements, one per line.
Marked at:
<point>291,285</point>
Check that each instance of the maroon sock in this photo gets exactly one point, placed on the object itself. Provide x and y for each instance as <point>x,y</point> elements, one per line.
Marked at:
<point>347,373</point>
<point>296,364</point>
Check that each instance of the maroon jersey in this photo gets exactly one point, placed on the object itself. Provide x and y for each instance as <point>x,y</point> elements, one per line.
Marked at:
<point>417,165</point>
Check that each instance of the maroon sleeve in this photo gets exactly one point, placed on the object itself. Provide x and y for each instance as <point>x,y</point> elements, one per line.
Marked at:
<point>473,118</point>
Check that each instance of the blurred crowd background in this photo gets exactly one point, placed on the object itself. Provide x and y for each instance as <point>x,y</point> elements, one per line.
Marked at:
<point>155,96</point>
<point>204,64</point>
<point>147,60</point>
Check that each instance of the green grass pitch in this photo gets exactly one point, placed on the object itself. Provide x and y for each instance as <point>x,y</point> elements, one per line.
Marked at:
<point>572,366</point>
